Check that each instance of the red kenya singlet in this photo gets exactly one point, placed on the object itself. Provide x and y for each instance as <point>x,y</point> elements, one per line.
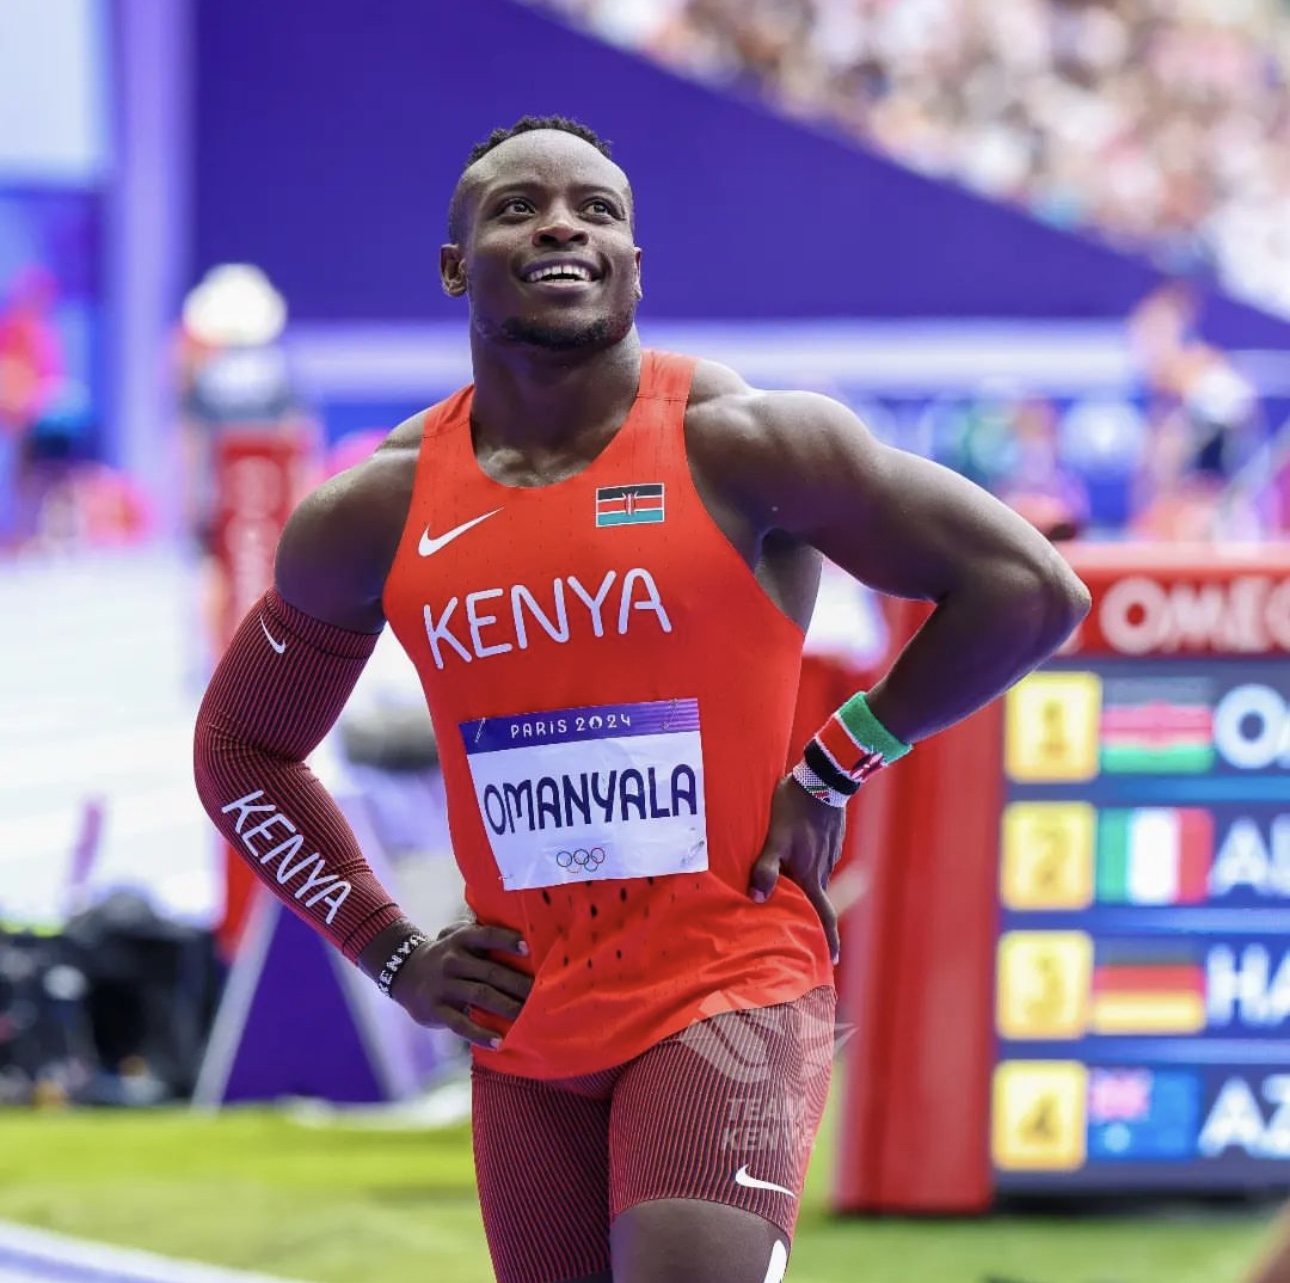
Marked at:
<point>613,694</point>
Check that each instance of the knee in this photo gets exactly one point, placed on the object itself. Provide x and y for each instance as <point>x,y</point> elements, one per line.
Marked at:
<point>690,1241</point>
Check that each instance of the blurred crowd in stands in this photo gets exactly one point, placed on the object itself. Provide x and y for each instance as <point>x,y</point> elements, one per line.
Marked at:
<point>1161,125</point>
<point>1188,453</point>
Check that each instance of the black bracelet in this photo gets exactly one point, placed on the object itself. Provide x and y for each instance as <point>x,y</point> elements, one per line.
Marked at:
<point>411,941</point>
<point>815,756</point>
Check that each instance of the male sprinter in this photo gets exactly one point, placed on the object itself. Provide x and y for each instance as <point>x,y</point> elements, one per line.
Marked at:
<point>602,560</point>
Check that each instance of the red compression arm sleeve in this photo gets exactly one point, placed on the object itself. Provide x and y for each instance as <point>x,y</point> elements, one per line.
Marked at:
<point>275,694</point>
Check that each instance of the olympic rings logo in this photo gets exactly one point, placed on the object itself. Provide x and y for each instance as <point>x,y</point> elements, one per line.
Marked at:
<point>582,859</point>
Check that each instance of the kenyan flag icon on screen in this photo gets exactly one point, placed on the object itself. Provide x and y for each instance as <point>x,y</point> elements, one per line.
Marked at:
<point>1157,737</point>
<point>638,505</point>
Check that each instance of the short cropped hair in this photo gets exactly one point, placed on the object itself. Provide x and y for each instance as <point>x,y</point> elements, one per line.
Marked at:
<point>525,125</point>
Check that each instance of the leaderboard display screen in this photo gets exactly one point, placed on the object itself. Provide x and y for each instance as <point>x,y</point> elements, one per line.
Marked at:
<point>1142,977</point>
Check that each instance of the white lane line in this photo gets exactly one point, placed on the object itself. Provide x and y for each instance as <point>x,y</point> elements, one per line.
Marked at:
<point>36,1256</point>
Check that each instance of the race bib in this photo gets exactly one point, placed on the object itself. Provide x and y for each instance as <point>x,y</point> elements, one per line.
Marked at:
<point>579,794</point>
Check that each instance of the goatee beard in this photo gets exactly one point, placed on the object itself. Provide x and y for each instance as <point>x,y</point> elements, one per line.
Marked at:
<point>551,336</point>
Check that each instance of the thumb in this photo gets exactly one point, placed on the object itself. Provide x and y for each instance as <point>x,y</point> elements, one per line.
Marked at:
<point>765,869</point>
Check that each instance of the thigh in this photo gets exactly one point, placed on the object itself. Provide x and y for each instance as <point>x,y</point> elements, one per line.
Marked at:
<point>723,1114</point>
<point>542,1166</point>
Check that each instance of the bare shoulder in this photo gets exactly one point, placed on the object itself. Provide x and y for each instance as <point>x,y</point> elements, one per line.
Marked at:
<point>805,464</point>
<point>719,417</point>
<point>722,401</point>
<point>714,383</point>
<point>336,550</point>
<point>759,443</point>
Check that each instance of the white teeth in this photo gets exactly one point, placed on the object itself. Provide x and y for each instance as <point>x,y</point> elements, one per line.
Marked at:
<point>570,271</point>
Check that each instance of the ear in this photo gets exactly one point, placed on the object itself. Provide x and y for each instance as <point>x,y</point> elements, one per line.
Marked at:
<point>452,271</point>
<point>640,293</point>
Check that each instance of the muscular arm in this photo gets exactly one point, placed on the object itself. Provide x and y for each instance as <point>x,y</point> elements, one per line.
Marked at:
<point>277,692</point>
<point>1004,599</point>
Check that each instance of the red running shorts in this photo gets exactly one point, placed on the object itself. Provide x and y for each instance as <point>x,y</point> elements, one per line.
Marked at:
<point>725,1111</point>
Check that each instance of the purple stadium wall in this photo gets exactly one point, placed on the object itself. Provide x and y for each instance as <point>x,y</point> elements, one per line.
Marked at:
<point>329,135</point>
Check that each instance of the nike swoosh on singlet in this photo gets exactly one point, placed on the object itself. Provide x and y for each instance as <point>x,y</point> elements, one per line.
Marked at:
<point>280,647</point>
<point>430,545</point>
<point>751,1182</point>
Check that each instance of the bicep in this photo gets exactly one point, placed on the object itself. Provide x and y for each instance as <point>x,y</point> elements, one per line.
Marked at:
<point>328,560</point>
<point>898,522</point>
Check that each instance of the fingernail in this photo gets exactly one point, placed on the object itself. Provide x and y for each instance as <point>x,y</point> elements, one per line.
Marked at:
<point>494,1043</point>
<point>837,957</point>
<point>523,948</point>
<point>759,897</point>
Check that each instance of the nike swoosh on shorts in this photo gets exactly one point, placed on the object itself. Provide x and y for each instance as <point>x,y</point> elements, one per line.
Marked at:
<point>429,545</point>
<point>751,1182</point>
<point>280,647</point>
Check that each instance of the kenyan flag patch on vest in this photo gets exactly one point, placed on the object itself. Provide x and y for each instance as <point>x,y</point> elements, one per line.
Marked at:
<point>640,505</point>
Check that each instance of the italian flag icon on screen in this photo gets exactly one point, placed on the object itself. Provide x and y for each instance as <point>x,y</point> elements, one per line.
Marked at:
<point>1154,855</point>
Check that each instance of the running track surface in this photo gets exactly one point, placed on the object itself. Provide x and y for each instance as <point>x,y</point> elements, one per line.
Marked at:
<point>34,1256</point>
<point>100,674</point>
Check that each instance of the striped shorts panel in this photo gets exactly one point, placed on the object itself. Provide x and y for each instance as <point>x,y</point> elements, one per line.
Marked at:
<point>542,1167</point>
<point>725,1111</point>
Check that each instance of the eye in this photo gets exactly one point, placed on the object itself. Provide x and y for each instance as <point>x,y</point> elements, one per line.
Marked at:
<point>602,207</point>
<point>516,204</point>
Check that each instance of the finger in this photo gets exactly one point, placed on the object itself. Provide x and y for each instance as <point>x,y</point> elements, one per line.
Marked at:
<point>482,939</point>
<point>827,869</point>
<point>465,918</point>
<point>835,852</point>
<point>765,870</point>
<point>464,1027</point>
<point>463,964</point>
<point>505,979</point>
<point>473,993</point>
<point>828,918</point>
<point>469,968</point>
<point>765,876</point>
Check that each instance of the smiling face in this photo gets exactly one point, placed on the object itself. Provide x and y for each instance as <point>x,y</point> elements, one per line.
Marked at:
<point>545,250</point>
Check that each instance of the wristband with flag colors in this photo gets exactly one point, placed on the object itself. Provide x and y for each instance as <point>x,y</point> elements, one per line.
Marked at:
<point>845,751</point>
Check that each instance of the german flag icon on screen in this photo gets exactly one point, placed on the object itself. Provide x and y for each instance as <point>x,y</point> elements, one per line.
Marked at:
<point>1147,987</point>
<point>637,505</point>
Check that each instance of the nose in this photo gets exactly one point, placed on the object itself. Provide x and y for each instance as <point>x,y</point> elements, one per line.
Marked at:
<point>559,228</point>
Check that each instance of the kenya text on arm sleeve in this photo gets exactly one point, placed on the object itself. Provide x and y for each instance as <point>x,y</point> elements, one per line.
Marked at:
<point>277,691</point>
